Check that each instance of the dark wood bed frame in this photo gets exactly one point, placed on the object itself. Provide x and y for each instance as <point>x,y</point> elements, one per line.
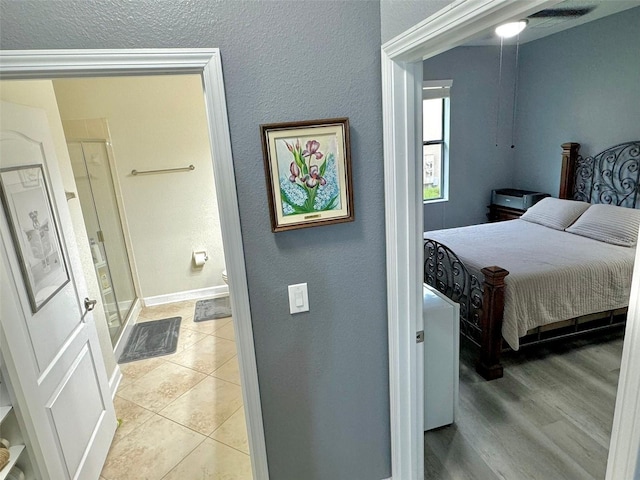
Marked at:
<point>610,177</point>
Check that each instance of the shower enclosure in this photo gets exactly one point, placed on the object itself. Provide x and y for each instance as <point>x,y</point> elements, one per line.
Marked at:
<point>97,195</point>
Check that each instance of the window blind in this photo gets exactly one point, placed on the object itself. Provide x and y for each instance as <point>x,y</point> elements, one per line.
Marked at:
<point>436,89</point>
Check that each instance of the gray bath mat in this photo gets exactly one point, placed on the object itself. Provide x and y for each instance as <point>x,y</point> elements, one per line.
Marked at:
<point>152,339</point>
<point>212,309</point>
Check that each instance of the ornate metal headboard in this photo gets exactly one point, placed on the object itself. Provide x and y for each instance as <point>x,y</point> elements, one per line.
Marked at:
<point>444,271</point>
<point>612,176</point>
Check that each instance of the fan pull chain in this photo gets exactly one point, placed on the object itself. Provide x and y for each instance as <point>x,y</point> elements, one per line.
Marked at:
<point>515,95</point>
<point>499,91</point>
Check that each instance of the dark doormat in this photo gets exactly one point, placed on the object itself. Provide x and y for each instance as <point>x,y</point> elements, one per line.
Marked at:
<point>152,339</point>
<point>212,309</point>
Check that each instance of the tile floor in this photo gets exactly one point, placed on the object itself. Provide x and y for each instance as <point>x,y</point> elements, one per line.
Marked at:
<point>182,414</point>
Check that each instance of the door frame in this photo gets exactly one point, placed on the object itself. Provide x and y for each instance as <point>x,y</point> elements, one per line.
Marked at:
<point>39,64</point>
<point>402,59</point>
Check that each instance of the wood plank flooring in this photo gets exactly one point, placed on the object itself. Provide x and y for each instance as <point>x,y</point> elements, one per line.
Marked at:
<point>548,418</point>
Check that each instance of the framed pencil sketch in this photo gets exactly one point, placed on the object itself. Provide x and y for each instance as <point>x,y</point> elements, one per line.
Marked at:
<point>308,172</point>
<point>27,205</point>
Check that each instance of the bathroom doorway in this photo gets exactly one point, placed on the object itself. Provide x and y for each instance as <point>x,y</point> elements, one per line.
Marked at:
<point>93,174</point>
<point>206,64</point>
<point>141,143</point>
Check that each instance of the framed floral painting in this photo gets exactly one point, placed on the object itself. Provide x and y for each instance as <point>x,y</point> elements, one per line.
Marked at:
<point>308,172</point>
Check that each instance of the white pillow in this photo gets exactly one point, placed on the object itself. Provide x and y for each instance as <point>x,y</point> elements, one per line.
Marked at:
<point>610,224</point>
<point>555,213</point>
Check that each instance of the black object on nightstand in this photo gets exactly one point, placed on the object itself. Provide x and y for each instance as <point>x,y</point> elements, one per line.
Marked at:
<point>511,203</point>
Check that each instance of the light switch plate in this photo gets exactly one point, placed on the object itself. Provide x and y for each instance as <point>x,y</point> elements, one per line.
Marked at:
<point>298,298</point>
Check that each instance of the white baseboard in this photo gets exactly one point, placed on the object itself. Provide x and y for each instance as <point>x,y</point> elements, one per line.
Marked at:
<point>210,292</point>
<point>114,381</point>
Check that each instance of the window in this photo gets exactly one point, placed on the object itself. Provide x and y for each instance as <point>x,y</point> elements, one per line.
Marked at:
<point>435,140</point>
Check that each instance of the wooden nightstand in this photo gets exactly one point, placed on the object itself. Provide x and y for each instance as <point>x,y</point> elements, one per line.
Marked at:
<point>498,213</point>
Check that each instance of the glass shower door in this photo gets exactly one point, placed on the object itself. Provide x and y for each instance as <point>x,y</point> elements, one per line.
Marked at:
<point>96,192</point>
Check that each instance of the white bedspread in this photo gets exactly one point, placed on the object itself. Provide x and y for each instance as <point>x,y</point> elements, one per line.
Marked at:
<point>553,275</point>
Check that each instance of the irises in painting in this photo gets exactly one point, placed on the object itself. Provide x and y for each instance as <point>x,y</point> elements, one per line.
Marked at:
<point>307,167</point>
<point>312,185</point>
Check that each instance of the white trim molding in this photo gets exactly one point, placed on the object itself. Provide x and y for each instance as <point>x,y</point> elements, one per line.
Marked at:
<point>625,434</point>
<point>114,381</point>
<point>23,64</point>
<point>225,181</point>
<point>454,25</point>
<point>31,64</point>
<point>209,292</point>
<point>404,275</point>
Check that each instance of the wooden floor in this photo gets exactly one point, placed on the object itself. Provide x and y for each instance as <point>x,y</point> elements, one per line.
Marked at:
<point>549,418</point>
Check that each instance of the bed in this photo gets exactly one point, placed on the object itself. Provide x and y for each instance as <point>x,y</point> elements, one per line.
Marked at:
<point>565,266</point>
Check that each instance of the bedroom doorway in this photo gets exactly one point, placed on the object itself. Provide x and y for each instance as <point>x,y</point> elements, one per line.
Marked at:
<point>206,64</point>
<point>402,80</point>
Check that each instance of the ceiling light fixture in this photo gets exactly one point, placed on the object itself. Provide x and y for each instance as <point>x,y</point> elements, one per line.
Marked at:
<point>511,29</point>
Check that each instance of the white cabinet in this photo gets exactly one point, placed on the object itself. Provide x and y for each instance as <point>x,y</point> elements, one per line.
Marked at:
<point>11,431</point>
<point>441,358</point>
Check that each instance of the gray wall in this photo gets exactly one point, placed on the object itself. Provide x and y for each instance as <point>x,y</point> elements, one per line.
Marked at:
<point>477,165</point>
<point>580,85</point>
<point>400,15</point>
<point>324,374</point>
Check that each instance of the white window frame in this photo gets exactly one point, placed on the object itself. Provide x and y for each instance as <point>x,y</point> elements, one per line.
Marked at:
<point>433,89</point>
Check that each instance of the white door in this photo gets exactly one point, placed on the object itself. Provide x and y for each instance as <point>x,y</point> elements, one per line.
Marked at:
<point>49,340</point>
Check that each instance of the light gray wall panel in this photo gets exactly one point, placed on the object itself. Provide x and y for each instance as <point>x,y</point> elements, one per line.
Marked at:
<point>400,15</point>
<point>477,164</point>
<point>580,85</point>
<point>323,374</point>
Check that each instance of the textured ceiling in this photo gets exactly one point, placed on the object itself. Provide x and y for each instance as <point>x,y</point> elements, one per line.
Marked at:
<point>542,27</point>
